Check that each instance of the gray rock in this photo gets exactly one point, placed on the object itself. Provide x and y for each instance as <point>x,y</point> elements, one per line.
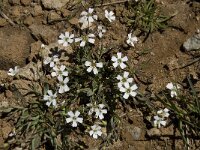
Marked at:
<point>192,43</point>
<point>54,4</point>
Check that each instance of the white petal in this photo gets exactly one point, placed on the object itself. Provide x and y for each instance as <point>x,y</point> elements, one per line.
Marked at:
<point>67,34</point>
<point>74,124</point>
<point>115,64</point>
<point>82,44</point>
<point>95,71</point>
<point>126,74</point>
<point>62,67</point>
<point>71,114</point>
<point>68,120</point>
<point>126,96</point>
<point>50,92</point>
<point>80,120</point>
<point>163,123</point>
<point>84,13</point>
<point>53,74</point>
<point>61,90</point>
<point>122,65</point>
<point>51,64</point>
<point>125,58</point>
<point>66,80</point>
<point>78,39</point>
<point>101,106</point>
<point>99,133</point>
<point>170,86</point>
<point>130,80</point>
<point>70,40</point>
<point>95,136</point>
<point>133,94</point>
<point>91,132</point>
<point>119,77</point>
<point>54,103</point>
<point>119,55</point>
<point>89,69</point>
<point>90,10</point>
<point>65,73</point>
<point>100,65</point>
<point>122,89</point>
<point>114,58</point>
<point>77,113</point>
<point>88,63</point>
<point>62,36</point>
<point>134,87</point>
<point>48,103</point>
<point>90,40</point>
<point>66,88</point>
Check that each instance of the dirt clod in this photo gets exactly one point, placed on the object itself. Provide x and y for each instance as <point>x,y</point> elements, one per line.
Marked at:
<point>14,47</point>
<point>44,33</point>
<point>54,4</point>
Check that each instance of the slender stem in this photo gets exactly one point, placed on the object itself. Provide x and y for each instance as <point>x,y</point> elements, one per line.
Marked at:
<point>6,17</point>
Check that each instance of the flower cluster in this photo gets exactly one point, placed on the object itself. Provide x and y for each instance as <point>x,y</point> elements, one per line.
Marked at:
<point>60,72</point>
<point>99,111</point>
<point>125,84</point>
<point>160,118</point>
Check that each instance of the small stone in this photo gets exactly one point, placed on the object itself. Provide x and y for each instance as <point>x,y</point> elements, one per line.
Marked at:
<point>26,2</point>
<point>15,11</point>
<point>53,16</point>
<point>74,21</point>
<point>6,129</point>
<point>14,2</point>
<point>153,132</point>
<point>8,94</point>
<point>193,43</point>
<point>3,22</point>
<point>136,133</point>
<point>65,12</point>
<point>29,20</point>
<point>54,4</point>
<point>37,10</point>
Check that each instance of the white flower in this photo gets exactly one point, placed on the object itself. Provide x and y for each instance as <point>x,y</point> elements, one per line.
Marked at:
<point>119,61</point>
<point>63,87</point>
<point>99,111</point>
<point>93,66</point>
<point>96,131</point>
<point>92,109</point>
<point>59,71</point>
<point>73,117</point>
<point>124,79</point>
<point>66,39</point>
<point>132,39</point>
<point>110,15</point>
<point>163,113</point>
<point>128,90</point>
<point>50,98</point>
<point>158,121</point>
<point>101,30</point>
<point>87,18</point>
<point>13,72</point>
<point>173,88</point>
<point>51,60</point>
<point>89,38</point>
